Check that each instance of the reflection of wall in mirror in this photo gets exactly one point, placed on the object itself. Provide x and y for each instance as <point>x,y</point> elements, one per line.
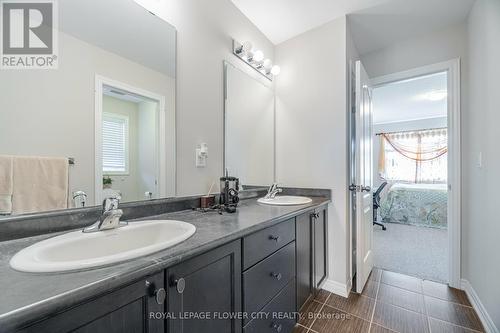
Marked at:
<point>249,118</point>
<point>51,113</point>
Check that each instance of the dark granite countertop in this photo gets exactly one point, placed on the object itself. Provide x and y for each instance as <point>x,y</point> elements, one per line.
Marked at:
<point>28,297</point>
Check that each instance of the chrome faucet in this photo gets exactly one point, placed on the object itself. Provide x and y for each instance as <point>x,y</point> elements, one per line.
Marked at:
<point>272,191</point>
<point>110,217</point>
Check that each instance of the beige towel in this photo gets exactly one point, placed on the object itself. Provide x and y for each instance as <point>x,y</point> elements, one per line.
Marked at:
<point>40,184</point>
<point>6,185</point>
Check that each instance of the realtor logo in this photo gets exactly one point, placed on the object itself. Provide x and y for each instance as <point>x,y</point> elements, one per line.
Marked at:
<point>29,35</point>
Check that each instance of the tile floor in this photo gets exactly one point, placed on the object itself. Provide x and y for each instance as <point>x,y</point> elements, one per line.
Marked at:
<point>391,302</point>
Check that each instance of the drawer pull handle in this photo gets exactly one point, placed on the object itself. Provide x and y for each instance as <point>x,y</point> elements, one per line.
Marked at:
<point>277,276</point>
<point>277,327</point>
<point>275,238</point>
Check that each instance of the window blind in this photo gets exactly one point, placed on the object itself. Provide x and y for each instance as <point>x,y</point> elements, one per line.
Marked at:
<point>114,143</point>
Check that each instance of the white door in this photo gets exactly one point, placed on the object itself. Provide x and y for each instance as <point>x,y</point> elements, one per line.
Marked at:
<point>363,140</point>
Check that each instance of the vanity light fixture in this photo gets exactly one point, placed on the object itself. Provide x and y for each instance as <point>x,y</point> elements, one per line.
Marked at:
<point>255,59</point>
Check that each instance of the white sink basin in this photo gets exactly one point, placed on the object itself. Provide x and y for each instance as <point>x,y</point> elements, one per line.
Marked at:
<point>77,250</point>
<point>285,200</point>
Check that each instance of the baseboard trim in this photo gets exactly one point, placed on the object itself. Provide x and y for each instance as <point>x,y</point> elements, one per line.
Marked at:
<point>337,288</point>
<point>489,325</point>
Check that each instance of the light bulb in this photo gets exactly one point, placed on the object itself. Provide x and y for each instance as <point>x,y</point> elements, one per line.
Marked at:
<point>267,64</point>
<point>275,70</point>
<point>258,56</point>
<point>249,55</point>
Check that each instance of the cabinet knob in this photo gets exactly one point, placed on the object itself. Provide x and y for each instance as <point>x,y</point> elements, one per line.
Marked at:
<point>277,327</point>
<point>275,238</point>
<point>159,294</point>
<point>180,285</point>
<point>277,276</point>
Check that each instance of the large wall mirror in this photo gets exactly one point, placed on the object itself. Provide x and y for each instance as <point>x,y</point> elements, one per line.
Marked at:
<point>102,123</point>
<point>249,146</point>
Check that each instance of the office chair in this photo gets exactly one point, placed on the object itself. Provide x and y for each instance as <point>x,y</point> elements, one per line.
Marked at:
<point>376,204</point>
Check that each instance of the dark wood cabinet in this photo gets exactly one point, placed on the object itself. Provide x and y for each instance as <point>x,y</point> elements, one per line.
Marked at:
<point>320,252</point>
<point>207,284</point>
<point>285,265</point>
<point>304,258</point>
<point>129,309</point>
<point>312,253</point>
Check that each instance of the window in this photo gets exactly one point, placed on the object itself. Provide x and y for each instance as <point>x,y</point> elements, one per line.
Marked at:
<point>115,145</point>
<point>415,157</point>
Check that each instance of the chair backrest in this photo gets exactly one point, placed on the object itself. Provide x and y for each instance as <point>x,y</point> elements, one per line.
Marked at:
<point>376,195</point>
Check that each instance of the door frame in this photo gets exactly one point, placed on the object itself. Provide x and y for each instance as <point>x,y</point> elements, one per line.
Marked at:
<point>161,160</point>
<point>452,67</point>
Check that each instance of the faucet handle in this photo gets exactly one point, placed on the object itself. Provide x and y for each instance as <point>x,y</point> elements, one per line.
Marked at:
<point>110,203</point>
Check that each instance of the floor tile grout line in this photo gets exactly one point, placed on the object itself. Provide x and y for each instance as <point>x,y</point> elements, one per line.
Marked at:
<point>402,308</point>
<point>426,313</point>
<point>431,296</point>
<point>455,325</point>
<point>319,311</point>
<point>404,289</point>
<point>448,301</point>
<point>375,305</point>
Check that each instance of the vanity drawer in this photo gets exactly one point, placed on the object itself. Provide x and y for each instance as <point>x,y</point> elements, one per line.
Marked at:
<point>259,245</point>
<point>263,281</point>
<point>278,314</point>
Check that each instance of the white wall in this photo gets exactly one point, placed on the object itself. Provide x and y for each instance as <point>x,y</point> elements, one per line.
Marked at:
<point>204,33</point>
<point>438,46</point>
<point>481,222</point>
<point>148,149</point>
<point>311,126</point>
<point>396,127</point>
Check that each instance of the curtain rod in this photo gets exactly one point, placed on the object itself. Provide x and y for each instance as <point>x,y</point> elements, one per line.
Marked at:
<point>418,130</point>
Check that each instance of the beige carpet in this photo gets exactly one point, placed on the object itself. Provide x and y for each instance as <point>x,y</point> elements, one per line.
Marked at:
<point>412,250</point>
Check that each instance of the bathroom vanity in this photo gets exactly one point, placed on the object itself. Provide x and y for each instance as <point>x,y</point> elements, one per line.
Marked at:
<point>262,259</point>
<point>103,131</point>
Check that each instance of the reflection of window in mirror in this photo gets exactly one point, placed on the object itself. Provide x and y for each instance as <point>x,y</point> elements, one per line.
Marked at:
<point>115,144</point>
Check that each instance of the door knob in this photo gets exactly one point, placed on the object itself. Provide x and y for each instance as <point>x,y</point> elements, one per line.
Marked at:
<point>366,188</point>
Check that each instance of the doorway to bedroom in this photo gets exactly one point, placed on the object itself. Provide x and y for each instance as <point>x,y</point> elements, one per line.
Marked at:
<point>410,176</point>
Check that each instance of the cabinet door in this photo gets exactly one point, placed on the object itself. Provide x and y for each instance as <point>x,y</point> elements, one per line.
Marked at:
<point>128,309</point>
<point>320,221</point>
<point>304,258</point>
<point>203,290</point>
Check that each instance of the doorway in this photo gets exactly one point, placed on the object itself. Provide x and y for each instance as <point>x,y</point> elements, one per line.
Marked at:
<point>416,174</point>
<point>410,194</point>
<point>130,142</point>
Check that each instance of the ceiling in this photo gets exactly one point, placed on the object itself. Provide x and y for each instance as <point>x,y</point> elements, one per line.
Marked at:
<point>419,98</point>
<point>280,20</point>
<point>372,22</point>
